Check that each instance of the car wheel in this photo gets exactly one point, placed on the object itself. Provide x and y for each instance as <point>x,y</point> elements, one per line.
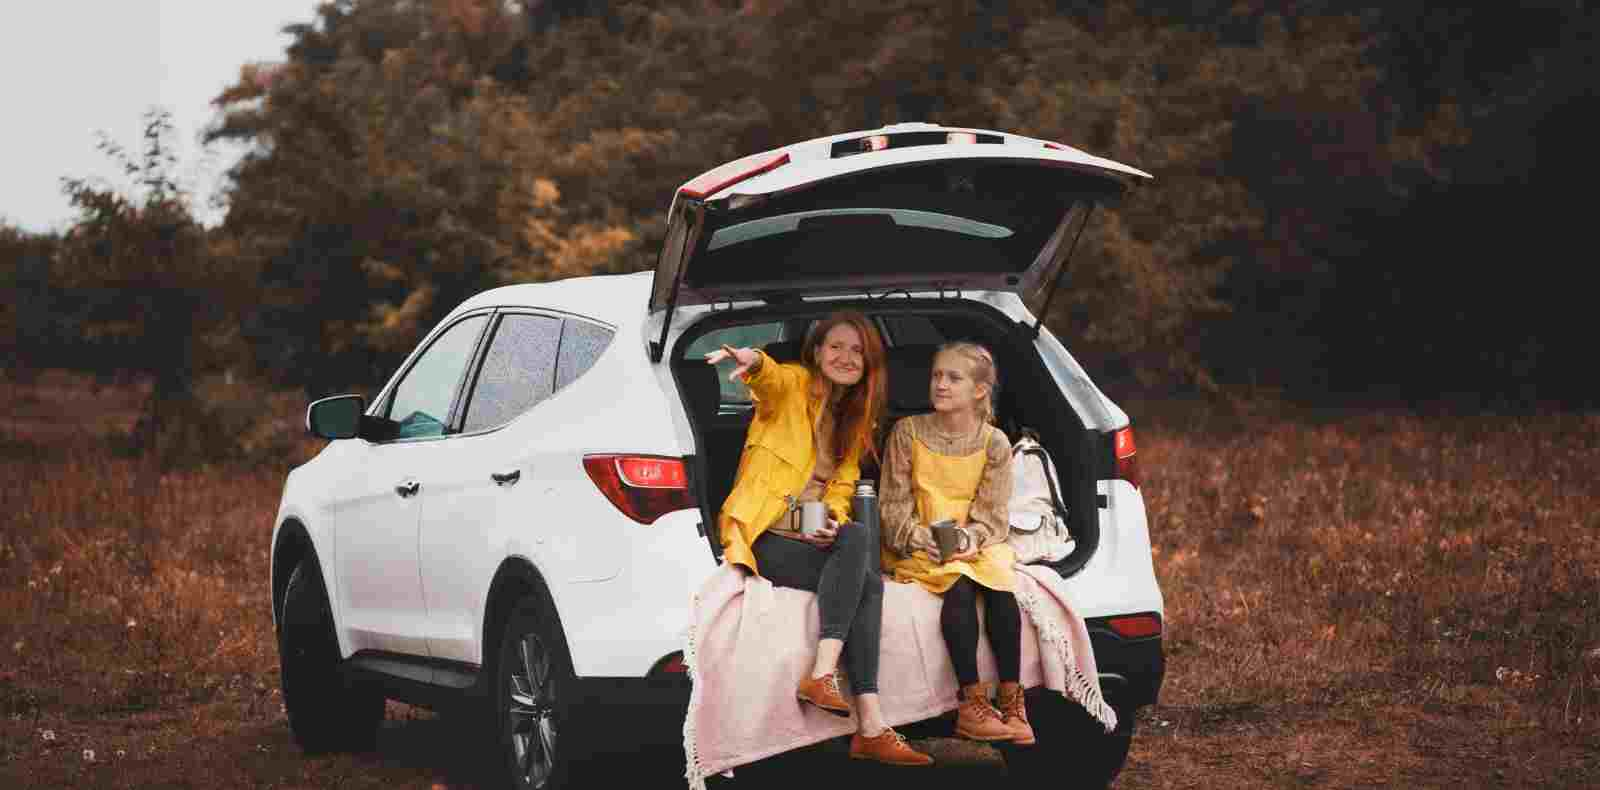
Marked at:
<point>327,712</point>
<point>1072,749</point>
<point>532,685</point>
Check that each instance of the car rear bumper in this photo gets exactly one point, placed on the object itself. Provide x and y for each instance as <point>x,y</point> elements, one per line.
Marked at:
<point>1131,670</point>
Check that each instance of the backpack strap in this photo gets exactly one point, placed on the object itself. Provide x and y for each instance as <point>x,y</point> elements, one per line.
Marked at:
<point>1049,478</point>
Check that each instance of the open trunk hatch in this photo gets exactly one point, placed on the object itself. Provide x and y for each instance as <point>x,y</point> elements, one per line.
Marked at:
<point>941,217</point>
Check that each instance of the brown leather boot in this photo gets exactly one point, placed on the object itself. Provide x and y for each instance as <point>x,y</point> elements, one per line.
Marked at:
<point>824,693</point>
<point>1014,711</point>
<point>976,719</point>
<point>888,747</point>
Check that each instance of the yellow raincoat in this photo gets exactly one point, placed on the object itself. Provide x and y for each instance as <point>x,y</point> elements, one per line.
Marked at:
<point>778,459</point>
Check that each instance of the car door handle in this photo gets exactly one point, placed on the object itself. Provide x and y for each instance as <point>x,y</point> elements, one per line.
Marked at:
<point>408,488</point>
<point>506,478</point>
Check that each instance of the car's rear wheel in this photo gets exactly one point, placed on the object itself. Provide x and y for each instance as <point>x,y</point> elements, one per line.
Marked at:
<point>1072,750</point>
<point>327,711</point>
<point>532,686</point>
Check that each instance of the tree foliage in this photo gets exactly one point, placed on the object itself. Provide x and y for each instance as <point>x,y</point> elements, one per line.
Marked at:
<point>140,289</point>
<point>1326,173</point>
<point>394,176</point>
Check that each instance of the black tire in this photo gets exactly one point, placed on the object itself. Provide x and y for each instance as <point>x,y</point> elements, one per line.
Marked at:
<point>535,742</point>
<point>1073,751</point>
<point>327,712</point>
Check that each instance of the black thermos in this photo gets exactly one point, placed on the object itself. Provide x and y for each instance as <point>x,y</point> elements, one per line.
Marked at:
<point>864,505</point>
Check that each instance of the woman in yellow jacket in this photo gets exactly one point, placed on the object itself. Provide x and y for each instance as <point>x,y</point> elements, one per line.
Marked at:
<point>813,423</point>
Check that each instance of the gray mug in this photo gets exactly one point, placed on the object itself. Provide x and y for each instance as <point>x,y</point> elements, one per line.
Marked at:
<point>948,536</point>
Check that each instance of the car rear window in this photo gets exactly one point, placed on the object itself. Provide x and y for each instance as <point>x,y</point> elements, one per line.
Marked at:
<point>900,218</point>
<point>980,216</point>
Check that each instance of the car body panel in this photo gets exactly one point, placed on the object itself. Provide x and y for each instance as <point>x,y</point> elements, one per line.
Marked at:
<point>636,619</point>
<point>812,160</point>
<point>375,541</point>
<point>1120,577</point>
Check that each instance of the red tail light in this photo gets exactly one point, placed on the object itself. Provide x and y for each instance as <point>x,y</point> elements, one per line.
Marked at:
<point>643,487</point>
<point>1054,146</point>
<point>670,663</point>
<point>1127,460</point>
<point>1136,626</point>
<point>723,176</point>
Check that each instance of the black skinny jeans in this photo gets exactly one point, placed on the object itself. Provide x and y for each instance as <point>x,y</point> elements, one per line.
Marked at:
<point>1002,622</point>
<point>849,591</point>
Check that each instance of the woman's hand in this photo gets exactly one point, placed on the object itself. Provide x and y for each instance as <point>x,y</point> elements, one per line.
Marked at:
<point>825,536</point>
<point>746,358</point>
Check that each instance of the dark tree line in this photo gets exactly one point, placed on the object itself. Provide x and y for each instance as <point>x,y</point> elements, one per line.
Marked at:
<point>1352,200</point>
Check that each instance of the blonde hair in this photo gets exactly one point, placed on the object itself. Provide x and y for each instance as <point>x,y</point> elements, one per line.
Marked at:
<point>984,370</point>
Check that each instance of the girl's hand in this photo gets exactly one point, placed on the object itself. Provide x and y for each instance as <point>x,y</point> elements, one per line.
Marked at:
<point>923,541</point>
<point>825,537</point>
<point>745,358</point>
<point>972,549</point>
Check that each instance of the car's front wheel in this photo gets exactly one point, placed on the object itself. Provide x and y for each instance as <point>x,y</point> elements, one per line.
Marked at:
<point>327,712</point>
<point>533,680</point>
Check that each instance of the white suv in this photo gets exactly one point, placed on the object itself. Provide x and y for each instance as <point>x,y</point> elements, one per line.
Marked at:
<point>518,521</point>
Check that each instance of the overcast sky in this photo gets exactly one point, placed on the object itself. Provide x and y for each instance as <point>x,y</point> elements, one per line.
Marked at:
<point>68,69</point>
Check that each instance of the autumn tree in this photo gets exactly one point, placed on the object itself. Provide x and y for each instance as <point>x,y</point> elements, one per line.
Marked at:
<point>152,296</point>
<point>28,330</point>
<point>394,176</point>
<point>410,153</point>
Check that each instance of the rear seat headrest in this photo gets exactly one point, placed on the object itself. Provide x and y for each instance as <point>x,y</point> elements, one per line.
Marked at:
<point>910,368</point>
<point>701,387</point>
<point>783,350</point>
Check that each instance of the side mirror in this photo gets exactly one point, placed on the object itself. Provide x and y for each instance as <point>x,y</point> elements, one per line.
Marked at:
<point>338,417</point>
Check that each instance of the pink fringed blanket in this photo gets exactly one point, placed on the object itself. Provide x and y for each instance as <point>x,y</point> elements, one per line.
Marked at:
<point>750,643</point>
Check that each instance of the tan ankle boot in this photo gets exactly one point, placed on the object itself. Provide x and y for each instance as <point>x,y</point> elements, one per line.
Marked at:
<point>978,720</point>
<point>1014,711</point>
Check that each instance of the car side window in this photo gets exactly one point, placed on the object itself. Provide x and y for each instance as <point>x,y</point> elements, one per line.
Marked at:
<point>747,336</point>
<point>518,370</point>
<point>421,402</point>
<point>581,344</point>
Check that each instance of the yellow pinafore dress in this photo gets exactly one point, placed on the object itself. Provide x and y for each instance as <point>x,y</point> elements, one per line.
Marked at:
<point>944,486</point>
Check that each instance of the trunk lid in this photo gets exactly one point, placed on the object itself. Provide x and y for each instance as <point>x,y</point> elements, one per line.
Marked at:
<point>912,206</point>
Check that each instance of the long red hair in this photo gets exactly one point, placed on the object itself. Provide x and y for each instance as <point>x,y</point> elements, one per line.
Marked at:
<point>858,411</point>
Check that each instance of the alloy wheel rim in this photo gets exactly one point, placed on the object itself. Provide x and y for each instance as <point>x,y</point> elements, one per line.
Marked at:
<point>531,712</point>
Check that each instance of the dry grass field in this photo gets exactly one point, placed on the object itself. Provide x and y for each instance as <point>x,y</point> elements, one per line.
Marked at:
<point>1354,600</point>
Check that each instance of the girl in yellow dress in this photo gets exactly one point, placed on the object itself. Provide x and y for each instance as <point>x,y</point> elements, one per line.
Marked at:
<point>954,464</point>
<point>813,423</point>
